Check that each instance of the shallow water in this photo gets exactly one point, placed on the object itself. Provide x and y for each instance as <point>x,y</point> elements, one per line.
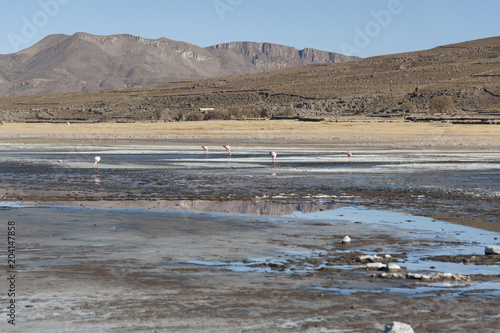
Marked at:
<point>425,237</point>
<point>316,157</point>
<point>485,289</point>
<point>442,178</point>
<point>460,240</point>
<point>308,185</point>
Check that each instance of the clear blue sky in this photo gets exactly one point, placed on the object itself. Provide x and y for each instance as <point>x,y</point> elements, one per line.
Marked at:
<point>357,27</point>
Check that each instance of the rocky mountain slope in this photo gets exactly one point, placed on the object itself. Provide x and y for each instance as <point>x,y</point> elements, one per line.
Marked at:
<point>83,62</point>
<point>397,85</point>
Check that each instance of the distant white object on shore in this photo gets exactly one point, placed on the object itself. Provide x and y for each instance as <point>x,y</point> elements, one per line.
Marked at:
<point>346,240</point>
<point>398,327</point>
<point>492,249</point>
<point>375,265</point>
<point>392,267</point>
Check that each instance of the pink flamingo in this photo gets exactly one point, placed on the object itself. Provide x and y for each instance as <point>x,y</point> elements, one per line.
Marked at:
<point>228,148</point>
<point>205,148</point>
<point>97,159</point>
<point>274,156</point>
<point>349,154</point>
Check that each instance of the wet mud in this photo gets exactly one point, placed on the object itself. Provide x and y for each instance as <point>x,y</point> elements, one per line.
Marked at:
<point>435,194</point>
<point>171,240</point>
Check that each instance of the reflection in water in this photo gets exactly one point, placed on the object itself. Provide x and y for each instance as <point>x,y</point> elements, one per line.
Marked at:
<point>249,207</point>
<point>254,207</point>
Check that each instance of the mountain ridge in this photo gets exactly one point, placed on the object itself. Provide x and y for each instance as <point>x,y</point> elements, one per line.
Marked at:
<point>397,86</point>
<point>83,62</point>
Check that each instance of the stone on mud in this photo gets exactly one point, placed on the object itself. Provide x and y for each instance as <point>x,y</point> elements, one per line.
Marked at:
<point>416,276</point>
<point>392,267</point>
<point>398,327</point>
<point>386,275</point>
<point>492,249</point>
<point>371,258</point>
<point>375,265</point>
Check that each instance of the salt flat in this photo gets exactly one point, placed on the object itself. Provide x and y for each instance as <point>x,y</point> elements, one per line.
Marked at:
<point>162,237</point>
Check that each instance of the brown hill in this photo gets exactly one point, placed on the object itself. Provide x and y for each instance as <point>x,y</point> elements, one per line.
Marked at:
<point>386,86</point>
<point>85,62</point>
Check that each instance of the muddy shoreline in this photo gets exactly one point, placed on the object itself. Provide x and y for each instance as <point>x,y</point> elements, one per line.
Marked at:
<point>153,269</point>
<point>161,237</point>
<point>60,184</point>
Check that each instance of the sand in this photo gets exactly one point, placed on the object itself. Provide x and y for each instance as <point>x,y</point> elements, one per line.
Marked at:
<point>284,130</point>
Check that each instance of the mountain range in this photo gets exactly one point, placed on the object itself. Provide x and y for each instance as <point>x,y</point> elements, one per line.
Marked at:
<point>400,86</point>
<point>85,62</point>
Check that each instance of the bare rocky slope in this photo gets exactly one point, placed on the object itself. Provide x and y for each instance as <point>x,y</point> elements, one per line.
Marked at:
<point>84,62</point>
<point>398,86</point>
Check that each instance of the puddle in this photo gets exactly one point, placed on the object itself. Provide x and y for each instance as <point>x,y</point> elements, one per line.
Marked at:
<point>421,226</point>
<point>10,205</point>
<point>450,239</point>
<point>245,207</point>
<point>256,265</point>
<point>485,289</point>
<point>279,239</point>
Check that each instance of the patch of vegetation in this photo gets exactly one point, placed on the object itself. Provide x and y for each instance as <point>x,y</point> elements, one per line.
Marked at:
<point>408,107</point>
<point>287,112</point>
<point>441,104</point>
<point>238,112</point>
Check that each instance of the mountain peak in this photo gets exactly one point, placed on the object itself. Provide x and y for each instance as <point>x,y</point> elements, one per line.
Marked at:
<point>83,61</point>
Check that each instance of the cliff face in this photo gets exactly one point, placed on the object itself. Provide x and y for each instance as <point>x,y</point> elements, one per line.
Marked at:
<point>267,56</point>
<point>82,62</point>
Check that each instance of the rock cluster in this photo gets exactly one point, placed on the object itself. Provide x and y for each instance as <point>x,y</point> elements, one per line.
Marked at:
<point>373,258</point>
<point>379,262</point>
<point>426,277</point>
